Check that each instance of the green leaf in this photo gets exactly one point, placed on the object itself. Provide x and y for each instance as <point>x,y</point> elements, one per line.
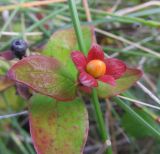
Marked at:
<point>45,75</point>
<point>141,131</point>
<point>123,83</point>
<point>63,42</point>
<point>58,127</point>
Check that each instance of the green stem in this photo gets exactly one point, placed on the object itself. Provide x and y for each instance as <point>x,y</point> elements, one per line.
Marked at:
<point>99,115</point>
<point>76,24</point>
<point>100,120</point>
<point>82,47</point>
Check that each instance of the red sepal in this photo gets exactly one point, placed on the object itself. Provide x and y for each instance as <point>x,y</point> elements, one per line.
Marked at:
<point>95,52</point>
<point>108,79</point>
<point>87,80</point>
<point>115,67</point>
<point>79,60</point>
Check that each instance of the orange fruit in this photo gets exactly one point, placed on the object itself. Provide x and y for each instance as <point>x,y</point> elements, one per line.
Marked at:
<point>96,68</point>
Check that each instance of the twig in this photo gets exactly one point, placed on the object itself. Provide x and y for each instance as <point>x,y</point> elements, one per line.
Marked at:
<point>88,15</point>
<point>29,4</point>
<point>121,143</point>
<point>128,48</point>
<point>19,143</point>
<point>7,23</point>
<point>13,115</point>
<point>138,102</point>
<point>92,148</point>
<point>141,62</point>
<point>118,2</point>
<point>87,11</point>
<point>138,7</point>
<point>147,91</point>
<point>64,18</point>
<point>122,132</point>
<point>17,34</point>
<point>145,77</point>
<point>150,83</point>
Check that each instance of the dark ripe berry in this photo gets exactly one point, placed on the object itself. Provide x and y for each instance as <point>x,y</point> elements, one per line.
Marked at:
<point>19,48</point>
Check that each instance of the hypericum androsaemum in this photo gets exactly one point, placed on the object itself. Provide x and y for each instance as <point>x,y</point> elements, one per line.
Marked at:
<point>97,67</point>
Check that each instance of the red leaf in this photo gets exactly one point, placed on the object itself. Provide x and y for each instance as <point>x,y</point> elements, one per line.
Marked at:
<point>45,75</point>
<point>87,80</point>
<point>95,52</point>
<point>79,60</point>
<point>115,67</point>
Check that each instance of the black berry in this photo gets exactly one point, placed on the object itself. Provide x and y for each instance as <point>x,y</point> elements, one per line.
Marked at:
<point>19,48</point>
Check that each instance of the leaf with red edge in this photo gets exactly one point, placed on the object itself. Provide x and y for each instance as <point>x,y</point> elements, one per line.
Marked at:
<point>58,127</point>
<point>123,83</point>
<point>63,42</point>
<point>45,75</point>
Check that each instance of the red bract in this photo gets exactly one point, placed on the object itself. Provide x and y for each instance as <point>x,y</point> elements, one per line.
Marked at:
<point>97,67</point>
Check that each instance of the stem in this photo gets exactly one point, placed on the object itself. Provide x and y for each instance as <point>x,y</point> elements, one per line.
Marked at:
<point>100,120</point>
<point>99,115</point>
<point>76,24</point>
<point>95,101</point>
